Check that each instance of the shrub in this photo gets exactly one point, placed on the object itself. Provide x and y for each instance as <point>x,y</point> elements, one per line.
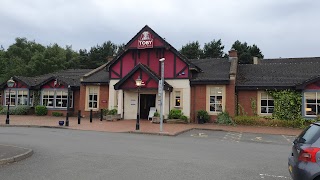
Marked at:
<point>204,115</point>
<point>175,114</point>
<point>262,121</point>
<point>4,111</point>
<point>224,118</point>
<point>109,112</point>
<point>58,114</point>
<point>184,118</point>
<point>112,112</point>
<point>41,110</point>
<point>18,110</point>
<point>105,111</point>
<point>156,114</point>
<point>21,110</point>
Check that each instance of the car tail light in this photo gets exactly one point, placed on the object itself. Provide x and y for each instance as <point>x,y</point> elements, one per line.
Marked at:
<point>309,154</point>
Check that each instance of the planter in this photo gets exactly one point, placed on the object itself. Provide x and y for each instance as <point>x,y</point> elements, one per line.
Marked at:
<point>176,121</point>
<point>112,117</point>
<point>155,119</point>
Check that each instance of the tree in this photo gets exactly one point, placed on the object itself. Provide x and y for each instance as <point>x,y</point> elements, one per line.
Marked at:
<point>98,54</point>
<point>192,50</point>
<point>213,49</point>
<point>120,48</point>
<point>246,53</point>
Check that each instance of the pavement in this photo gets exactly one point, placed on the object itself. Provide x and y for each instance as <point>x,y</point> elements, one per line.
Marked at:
<point>9,154</point>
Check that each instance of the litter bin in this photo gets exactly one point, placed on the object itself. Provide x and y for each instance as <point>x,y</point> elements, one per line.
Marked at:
<point>200,120</point>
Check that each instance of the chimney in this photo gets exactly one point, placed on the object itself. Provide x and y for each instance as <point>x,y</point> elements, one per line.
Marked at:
<point>256,60</point>
<point>233,58</point>
<point>233,54</point>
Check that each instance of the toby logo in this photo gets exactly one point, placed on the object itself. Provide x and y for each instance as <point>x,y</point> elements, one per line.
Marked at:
<point>145,40</point>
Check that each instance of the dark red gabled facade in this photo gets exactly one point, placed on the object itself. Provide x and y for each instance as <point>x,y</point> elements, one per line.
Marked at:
<point>176,67</point>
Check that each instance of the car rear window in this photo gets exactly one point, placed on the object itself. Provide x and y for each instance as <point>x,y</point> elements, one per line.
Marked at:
<point>310,135</point>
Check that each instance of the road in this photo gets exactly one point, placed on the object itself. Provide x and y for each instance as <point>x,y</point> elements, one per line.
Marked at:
<point>74,154</point>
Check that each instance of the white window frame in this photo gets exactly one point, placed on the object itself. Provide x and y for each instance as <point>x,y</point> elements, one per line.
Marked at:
<point>177,97</point>
<point>92,91</point>
<point>260,106</point>
<point>215,92</point>
<point>55,93</point>
<point>316,103</point>
<point>22,96</point>
<point>12,99</point>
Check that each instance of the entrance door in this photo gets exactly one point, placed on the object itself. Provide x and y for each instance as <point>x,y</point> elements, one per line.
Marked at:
<point>147,101</point>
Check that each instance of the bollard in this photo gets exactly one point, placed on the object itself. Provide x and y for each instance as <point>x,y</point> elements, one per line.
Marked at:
<point>101,114</point>
<point>91,115</point>
<point>79,116</point>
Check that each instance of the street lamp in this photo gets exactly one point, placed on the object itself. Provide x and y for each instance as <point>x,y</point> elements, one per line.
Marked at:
<point>161,92</point>
<point>68,104</point>
<point>138,84</point>
<point>10,84</point>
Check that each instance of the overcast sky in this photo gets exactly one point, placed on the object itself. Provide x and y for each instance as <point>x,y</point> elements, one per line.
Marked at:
<point>280,28</point>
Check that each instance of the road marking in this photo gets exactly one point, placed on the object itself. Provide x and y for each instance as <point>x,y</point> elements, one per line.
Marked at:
<point>259,139</point>
<point>286,138</point>
<point>199,135</point>
<point>262,176</point>
<point>235,137</point>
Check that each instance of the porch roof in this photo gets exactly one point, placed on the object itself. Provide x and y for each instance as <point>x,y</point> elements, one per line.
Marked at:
<point>151,76</point>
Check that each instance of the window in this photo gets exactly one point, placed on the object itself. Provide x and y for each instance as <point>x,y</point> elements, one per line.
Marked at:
<point>266,103</point>
<point>31,98</point>
<point>177,99</point>
<point>93,98</point>
<point>22,97</point>
<point>12,99</point>
<point>312,103</point>
<point>48,98</point>
<point>56,98</point>
<point>215,99</point>
<point>61,99</point>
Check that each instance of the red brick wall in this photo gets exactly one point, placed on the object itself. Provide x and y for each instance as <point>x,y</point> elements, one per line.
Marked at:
<point>231,98</point>
<point>64,112</point>
<point>82,98</point>
<point>244,101</point>
<point>198,101</point>
<point>103,96</point>
<point>76,103</point>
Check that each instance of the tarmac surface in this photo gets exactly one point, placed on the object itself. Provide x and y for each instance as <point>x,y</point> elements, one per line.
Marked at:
<point>10,154</point>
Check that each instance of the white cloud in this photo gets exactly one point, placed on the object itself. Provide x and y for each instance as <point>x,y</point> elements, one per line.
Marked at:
<point>286,28</point>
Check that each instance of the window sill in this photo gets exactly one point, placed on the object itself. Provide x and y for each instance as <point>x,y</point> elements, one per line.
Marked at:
<point>178,107</point>
<point>214,113</point>
<point>95,109</point>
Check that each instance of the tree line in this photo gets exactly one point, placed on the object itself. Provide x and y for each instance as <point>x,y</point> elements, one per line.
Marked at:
<point>28,58</point>
<point>215,49</point>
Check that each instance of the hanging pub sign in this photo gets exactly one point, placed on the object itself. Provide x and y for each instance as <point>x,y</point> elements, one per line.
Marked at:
<point>145,40</point>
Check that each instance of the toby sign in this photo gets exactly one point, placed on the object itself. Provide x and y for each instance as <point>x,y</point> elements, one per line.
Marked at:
<point>145,40</point>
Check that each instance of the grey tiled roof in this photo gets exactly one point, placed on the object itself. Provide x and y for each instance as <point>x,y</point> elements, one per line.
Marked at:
<point>69,76</point>
<point>101,76</point>
<point>216,69</point>
<point>290,60</point>
<point>278,73</point>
